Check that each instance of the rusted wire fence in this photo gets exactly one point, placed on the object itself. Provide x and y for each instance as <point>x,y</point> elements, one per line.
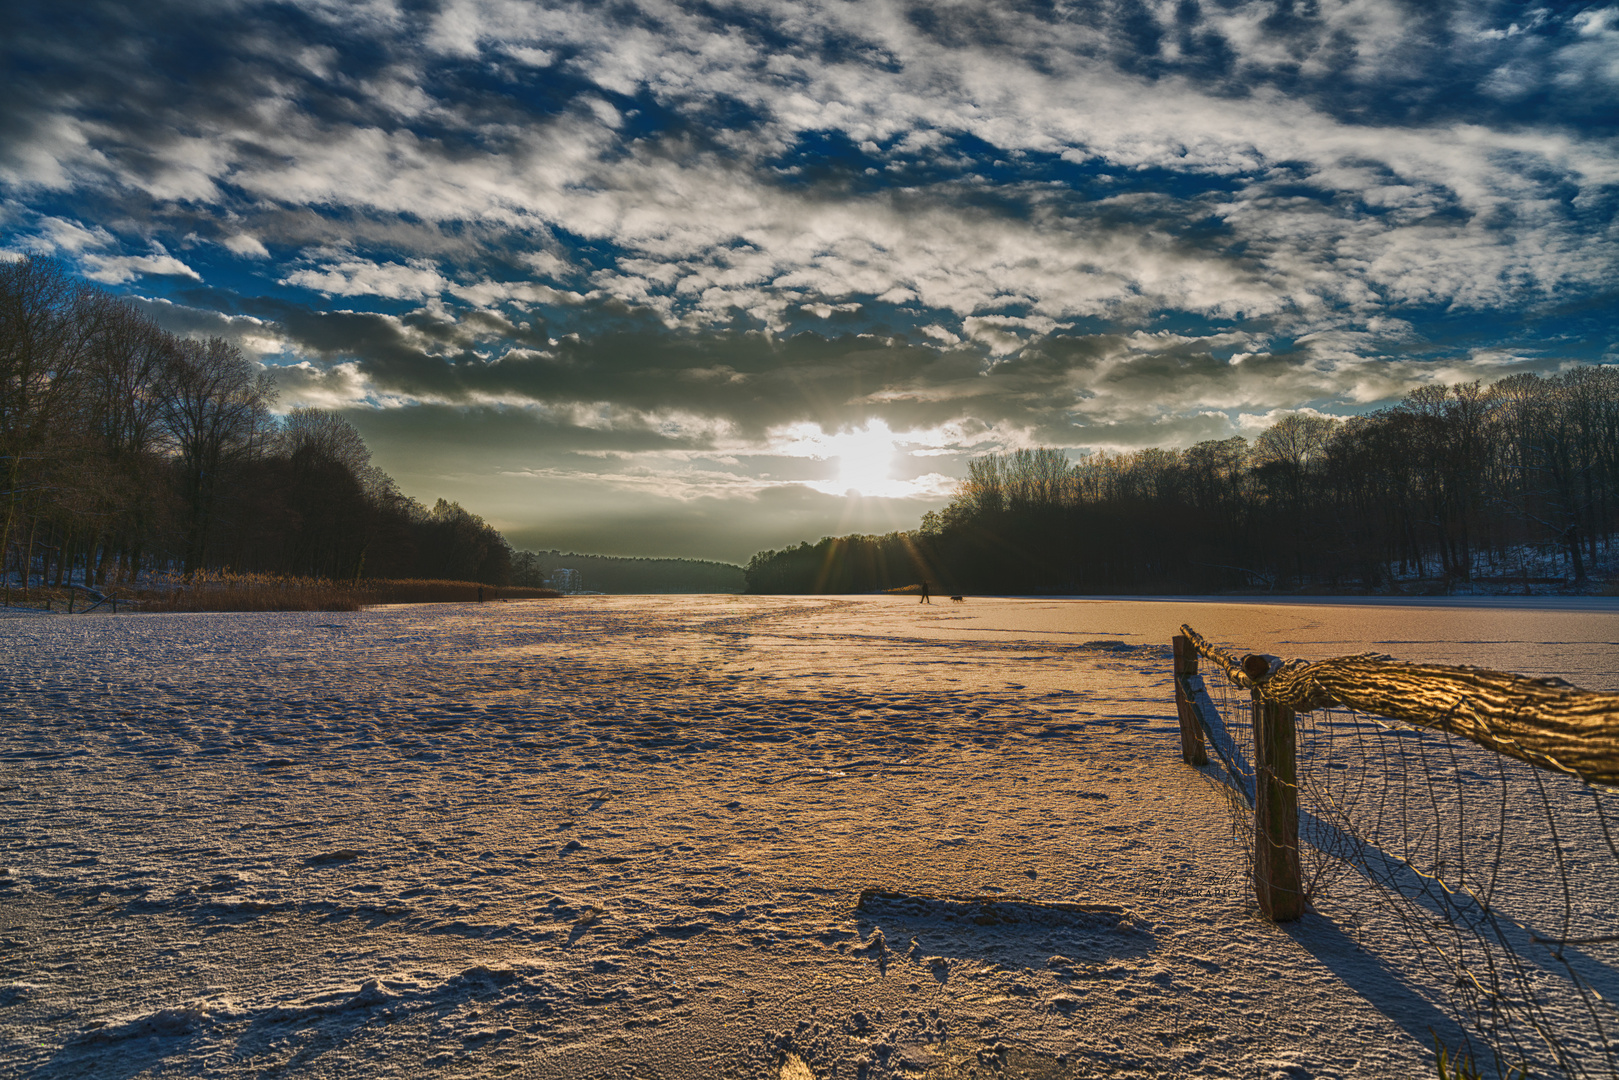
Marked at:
<point>1467,842</point>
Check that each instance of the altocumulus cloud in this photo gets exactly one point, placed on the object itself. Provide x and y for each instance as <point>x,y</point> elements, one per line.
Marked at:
<point>627,276</point>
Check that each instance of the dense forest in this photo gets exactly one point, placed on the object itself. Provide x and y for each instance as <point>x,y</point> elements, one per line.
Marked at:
<point>127,449</point>
<point>1501,487</point>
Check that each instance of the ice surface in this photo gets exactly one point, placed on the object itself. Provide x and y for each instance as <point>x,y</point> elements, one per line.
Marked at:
<point>619,836</point>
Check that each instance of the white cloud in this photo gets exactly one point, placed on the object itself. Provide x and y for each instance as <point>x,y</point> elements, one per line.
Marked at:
<point>59,235</point>
<point>533,57</point>
<point>824,311</point>
<point>250,247</point>
<point>1000,332</point>
<point>705,238</point>
<point>336,386</point>
<point>548,264</point>
<point>1596,22</point>
<point>120,269</point>
<point>487,294</point>
<point>1594,59</point>
<point>416,279</point>
<point>57,154</point>
<point>689,214</point>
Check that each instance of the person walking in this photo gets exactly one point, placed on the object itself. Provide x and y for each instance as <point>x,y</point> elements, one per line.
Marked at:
<point>925,598</point>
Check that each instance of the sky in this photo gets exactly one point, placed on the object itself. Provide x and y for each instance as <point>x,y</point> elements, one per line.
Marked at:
<point>701,279</point>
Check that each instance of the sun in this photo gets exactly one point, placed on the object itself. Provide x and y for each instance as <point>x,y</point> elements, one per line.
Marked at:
<point>865,458</point>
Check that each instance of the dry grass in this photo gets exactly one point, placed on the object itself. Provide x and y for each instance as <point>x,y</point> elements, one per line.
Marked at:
<point>270,592</point>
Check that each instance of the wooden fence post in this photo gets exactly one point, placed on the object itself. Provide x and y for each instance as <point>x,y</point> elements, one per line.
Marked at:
<point>1192,751</point>
<point>1277,880</point>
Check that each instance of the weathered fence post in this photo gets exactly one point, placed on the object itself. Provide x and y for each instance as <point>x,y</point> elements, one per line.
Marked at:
<point>1192,751</point>
<point>1277,881</point>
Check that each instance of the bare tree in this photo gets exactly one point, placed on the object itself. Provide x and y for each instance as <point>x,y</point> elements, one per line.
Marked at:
<point>325,435</point>
<point>1291,445</point>
<point>42,350</point>
<point>329,507</point>
<point>215,408</point>
<point>129,357</point>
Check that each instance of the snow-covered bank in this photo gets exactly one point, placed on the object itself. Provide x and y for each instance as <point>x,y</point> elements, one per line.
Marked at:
<point>630,837</point>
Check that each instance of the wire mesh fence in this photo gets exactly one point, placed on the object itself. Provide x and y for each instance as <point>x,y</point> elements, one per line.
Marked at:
<point>1493,885</point>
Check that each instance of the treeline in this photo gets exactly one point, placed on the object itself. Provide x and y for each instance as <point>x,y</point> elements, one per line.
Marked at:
<point>124,448</point>
<point>613,574</point>
<point>1453,484</point>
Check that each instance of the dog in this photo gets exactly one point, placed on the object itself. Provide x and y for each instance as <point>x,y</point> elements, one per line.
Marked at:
<point>957,600</point>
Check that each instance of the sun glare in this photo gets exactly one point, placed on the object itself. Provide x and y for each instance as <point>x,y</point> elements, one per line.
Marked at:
<point>860,462</point>
<point>865,458</point>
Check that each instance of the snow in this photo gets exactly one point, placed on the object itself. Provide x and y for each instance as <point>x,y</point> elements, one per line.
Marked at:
<point>651,837</point>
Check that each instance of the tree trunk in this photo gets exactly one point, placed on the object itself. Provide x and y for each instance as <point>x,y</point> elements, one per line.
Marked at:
<point>45,558</point>
<point>1571,537</point>
<point>64,558</point>
<point>28,556</point>
<point>13,475</point>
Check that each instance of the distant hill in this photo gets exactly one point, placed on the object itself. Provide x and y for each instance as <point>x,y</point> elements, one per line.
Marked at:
<point>611,574</point>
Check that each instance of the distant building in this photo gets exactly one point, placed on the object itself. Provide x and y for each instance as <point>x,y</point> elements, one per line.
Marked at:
<point>565,581</point>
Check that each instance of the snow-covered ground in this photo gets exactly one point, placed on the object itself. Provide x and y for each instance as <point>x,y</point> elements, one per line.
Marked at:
<point>630,837</point>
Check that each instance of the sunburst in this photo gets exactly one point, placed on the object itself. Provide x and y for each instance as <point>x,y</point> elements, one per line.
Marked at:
<point>865,458</point>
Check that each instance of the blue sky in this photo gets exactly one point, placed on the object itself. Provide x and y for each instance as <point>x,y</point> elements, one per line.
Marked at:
<point>675,279</point>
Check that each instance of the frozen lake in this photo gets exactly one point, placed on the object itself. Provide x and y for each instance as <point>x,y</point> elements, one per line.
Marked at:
<point>1575,638</point>
<point>616,836</point>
